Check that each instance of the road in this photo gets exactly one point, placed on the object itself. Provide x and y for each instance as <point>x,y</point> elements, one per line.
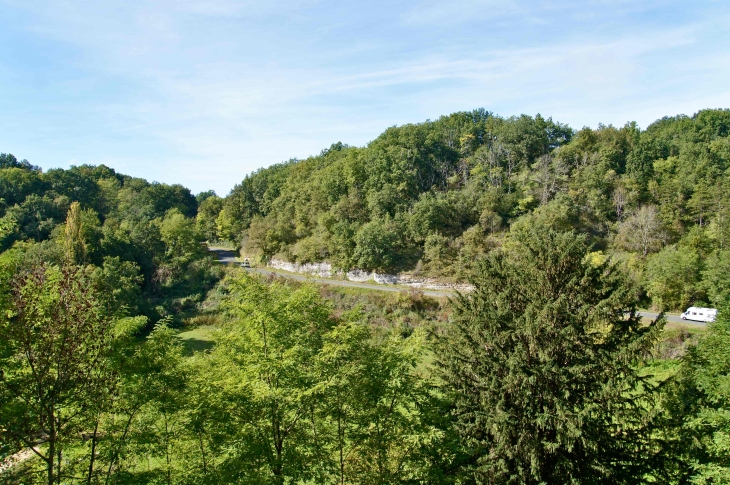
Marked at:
<point>227,256</point>
<point>671,318</point>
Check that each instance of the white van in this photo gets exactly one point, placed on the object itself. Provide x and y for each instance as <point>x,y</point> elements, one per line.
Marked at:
<point>700,314</point>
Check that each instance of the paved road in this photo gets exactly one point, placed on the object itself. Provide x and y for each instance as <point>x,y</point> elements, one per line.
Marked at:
<point>227,256</point>
<point>671,318</point>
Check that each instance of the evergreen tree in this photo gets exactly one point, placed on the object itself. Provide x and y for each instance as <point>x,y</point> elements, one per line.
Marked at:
<point>698,401</point>
<point>541,362</point>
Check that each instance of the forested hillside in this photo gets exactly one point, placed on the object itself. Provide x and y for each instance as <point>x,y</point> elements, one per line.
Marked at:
<point>141,237</point>
<point>432,197</point>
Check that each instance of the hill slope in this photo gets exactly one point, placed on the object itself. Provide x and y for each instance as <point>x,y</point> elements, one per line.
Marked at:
<point>432,197</point>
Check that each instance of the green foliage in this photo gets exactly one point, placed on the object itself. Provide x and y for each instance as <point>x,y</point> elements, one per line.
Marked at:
<point>379,207</point>
<point>672,277</point>
<point>181,237</point>
<point>37,216</point>
<point>266,353</point>
<point>92,215</point>
<point>541,364</point>
<point>715,277</point>
<point>543,373</point>
<point>291,395</point>
<point>16,184</point>
<point>208,211</point>
<point>7,160</point>
<point>81,235</point>
<point>436,251</point>
<point>411,181</point>
<point>8,225</point>
<point>698,401</point>
<point>56,365</point>
<point>380,245</point>
<point>120,284</point>
<point>141,422</point>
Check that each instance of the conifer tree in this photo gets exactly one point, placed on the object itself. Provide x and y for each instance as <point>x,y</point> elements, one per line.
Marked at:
<point>541,360</point>
<point>698,403</point>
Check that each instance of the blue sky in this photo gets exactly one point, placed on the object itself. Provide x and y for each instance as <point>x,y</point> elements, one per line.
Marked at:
<point>204,92</point>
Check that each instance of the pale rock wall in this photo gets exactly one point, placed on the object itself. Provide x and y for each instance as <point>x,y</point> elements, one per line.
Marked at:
<point>324,270</point>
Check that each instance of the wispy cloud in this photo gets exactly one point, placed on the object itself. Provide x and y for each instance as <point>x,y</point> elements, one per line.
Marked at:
<point>455,12</point>
<point>438,13</point>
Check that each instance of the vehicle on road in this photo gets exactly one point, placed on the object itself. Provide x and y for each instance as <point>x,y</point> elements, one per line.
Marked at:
<point>246,263</point>
<point>700,314</point>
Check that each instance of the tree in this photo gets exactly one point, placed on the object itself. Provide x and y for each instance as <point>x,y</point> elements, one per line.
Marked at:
<point>119,282</point>
<point>672,278</point>
<point>37,216</point>
<point>73,242</point>
<point>208,210</point>
<point>291,394</point>
<point>620,197</point>
<point>259,383</point>
<point>181,236</point>
<point>266,235</point>
<point>74,185</point>
<point>57,368</point>
<point>8,160</point>
<point>8,225</point>
<point>380,245</point>
<point>16,184</point>
<point>150,420</point>
<point>371,407</point>
<point>548,174</point>
<point>437,252</point>
<point>715,277</point>
<point>202,196</point>
<point>225,225</point>
<point>142,420</point>
<point>541,363</point>
<point>642,231</point>
<point>698,399</point>
<point>81,235</point>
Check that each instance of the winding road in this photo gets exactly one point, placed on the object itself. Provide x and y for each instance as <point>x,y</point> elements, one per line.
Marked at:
<point>227,256</point>
<point>670,318</point>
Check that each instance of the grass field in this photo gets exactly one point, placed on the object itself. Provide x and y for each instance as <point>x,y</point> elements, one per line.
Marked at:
<point>198,339</point>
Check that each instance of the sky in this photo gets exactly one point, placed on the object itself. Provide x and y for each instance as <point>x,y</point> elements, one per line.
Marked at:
<point>202,93</point>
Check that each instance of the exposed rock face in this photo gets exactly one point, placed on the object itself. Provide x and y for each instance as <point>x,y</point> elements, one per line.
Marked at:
<point>324,270</point>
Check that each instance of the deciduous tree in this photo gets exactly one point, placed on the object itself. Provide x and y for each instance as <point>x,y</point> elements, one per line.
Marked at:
<point>56,368</point>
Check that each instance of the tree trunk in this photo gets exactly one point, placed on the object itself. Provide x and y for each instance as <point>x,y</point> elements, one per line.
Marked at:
<point>58,467</point>
<point>51,459</point>
<point>202,452</point>
<point>51,449</point>
<point>93,453</point>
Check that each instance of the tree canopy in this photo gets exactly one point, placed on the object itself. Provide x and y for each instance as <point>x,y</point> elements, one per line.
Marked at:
<point>541,361</point>
<point>422,192</point>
